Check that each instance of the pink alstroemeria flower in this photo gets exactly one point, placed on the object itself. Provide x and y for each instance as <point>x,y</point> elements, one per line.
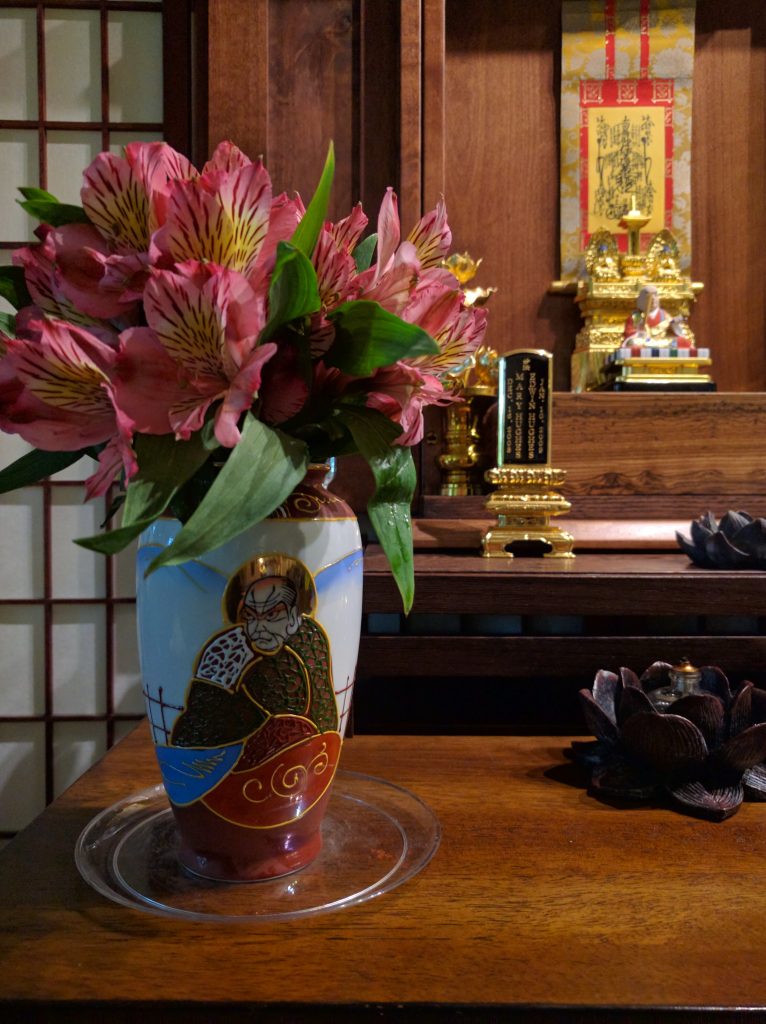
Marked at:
<point>95,280</point>
<point>126,197</point>
<point>63,398</point>
<point>201,346</point>
<point>333,259</point>
<point>403,265</point>
<point>437,307</point>
<point>43,280</point>
<point>226,216</point>
<point>88,272</point>
<point>401,392</point>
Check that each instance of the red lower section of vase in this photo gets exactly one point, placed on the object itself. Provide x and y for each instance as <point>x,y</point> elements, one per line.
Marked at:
<point>218,849</point>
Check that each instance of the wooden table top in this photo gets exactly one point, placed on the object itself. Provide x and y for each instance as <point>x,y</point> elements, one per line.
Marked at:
<point>540,900</point>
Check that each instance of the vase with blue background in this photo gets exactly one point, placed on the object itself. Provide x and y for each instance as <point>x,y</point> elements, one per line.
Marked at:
<point>248,658</point>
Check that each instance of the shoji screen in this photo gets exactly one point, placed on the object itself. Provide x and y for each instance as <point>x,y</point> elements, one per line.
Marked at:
<point>75,78</point>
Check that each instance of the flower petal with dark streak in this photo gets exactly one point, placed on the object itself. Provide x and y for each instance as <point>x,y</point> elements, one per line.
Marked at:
<point>714,804</point>
<point>714,681</point>
<point>668,743</point>
<point>624,780</point>
<point>596,719</point>
<point>741,709</point>
<point>745,750</point>
<point>606,687</point>
<point>706,712</point>
<point>754,781</point>
<point>632,702</point>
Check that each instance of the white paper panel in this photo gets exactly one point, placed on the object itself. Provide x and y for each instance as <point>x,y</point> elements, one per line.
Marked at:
<point>22,660</point>
<point>19,155</point>
<point>122,729</point>
<point>79,659</point>
<point>76,746</point>
<point>22,773</point>
<point>21,544</point>
<point>18,64</point>
<point>124,572</point>
<point>75,572</point>
<point>135,66</point>
<point>128,698</point>
<point>78,471</point>
<point>73,65</point>
<point>69,153</point>
<point>119,140</point>
<point>12,447</point>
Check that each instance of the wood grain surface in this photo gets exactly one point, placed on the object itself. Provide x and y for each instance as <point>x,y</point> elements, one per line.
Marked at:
<point>541,904</point>
<point>433,100</point>
<point>664,456</point>
<point>590,584</point>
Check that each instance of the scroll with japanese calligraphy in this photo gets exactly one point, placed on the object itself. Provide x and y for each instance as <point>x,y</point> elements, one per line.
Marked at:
<point>626,89</point>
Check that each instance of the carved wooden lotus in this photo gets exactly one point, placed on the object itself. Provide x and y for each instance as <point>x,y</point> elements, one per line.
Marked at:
<point>707,755</point>
<point>738,541</point>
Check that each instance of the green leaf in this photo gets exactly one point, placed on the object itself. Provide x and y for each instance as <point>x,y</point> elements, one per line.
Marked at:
<point>164,465</point>
<point>34,466</point>
<point>368,337</point>
<point>293,291</point>
<point>54,213</point>
<point>38,194</point>
<point>363,252</point>
<point>259,474</point>
<point>307,232</point>
<point>8,324</point>
<point>13,287</point>
<point>395,480</point>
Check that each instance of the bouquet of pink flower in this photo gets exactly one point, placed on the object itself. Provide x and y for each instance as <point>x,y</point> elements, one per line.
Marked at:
<point>204,340</point>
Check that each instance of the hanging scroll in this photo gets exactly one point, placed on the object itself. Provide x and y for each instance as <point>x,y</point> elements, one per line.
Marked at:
<point>625,121</point>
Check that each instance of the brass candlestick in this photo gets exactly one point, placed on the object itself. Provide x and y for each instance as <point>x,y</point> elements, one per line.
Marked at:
<point>476,379</point>
<point>526,497</point>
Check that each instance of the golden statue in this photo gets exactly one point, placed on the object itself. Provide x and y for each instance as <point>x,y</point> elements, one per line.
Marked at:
<point>636,309</point>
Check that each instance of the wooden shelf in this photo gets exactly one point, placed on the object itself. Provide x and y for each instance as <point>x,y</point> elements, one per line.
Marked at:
<point>590,584</point>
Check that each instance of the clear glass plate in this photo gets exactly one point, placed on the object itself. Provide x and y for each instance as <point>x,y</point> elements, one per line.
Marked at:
<point>375,836</point>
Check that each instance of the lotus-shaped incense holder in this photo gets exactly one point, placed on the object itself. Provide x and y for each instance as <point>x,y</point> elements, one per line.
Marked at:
<point>737,541</point>
<point>706,755</point>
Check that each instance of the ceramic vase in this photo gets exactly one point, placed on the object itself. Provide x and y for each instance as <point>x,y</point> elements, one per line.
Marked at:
<point>248,657</point>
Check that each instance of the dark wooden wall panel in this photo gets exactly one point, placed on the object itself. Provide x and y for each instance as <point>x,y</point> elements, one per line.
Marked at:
<point>729,189</point>
<point>311,96</point>
<point>287,76</point>
<point>491,144</point>
<point>501,179</point>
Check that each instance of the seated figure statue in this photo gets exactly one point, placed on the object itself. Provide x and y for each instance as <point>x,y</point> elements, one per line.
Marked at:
<point>649,326</point>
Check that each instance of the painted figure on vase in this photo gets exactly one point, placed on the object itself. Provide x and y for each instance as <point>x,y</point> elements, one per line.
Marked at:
<point>260,718</point>
<point>649,326</point>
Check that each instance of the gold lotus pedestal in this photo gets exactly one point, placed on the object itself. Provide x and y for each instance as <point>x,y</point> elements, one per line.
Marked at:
<point>524,502</point>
